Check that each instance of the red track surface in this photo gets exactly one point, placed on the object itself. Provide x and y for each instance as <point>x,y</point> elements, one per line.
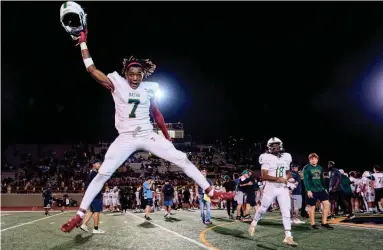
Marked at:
<point>34,209</point>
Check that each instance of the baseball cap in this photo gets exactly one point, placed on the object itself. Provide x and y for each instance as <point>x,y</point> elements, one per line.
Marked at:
<point>245,172</point>
<point>94,161</point>
<point>149,178</point>
<point>226,177</point>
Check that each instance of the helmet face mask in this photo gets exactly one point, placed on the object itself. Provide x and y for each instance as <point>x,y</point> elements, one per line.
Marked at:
<point>274,146</point>
<point>73,18</point>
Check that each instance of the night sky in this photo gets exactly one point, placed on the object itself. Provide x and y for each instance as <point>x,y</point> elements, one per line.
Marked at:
<point>292,70</point>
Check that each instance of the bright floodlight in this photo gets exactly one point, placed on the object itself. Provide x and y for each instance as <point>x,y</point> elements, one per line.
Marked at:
<point>159,94</point>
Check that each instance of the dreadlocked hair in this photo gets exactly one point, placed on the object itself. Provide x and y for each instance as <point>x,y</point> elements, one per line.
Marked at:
<point>147,66</point>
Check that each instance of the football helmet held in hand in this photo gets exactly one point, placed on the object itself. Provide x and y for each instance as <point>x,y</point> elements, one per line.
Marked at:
<point>73,19</point>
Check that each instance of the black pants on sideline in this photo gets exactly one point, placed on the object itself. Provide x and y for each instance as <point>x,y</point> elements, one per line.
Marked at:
<point>230,206</point>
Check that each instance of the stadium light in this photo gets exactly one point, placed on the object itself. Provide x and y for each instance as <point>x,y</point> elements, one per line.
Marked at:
<point>372,91</point>
<point>159,94</point>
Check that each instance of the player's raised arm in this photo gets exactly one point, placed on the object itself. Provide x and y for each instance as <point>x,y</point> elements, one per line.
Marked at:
<point>90,67</point>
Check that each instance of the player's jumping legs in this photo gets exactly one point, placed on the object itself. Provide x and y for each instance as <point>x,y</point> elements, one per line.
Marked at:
<point>164,149</point>
<point>118,152</point>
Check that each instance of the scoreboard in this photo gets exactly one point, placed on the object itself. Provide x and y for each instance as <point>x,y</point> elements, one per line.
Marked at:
<point>175,130</point>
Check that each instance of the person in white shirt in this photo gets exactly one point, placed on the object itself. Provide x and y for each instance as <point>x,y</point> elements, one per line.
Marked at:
<point>377,178</point>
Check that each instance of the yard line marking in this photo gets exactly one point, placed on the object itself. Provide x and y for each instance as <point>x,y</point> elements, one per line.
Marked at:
<point>175,233</point>
<point>202,235</point>
<point>349,225</point>
<point>27,223</point>
<point>4,214</point>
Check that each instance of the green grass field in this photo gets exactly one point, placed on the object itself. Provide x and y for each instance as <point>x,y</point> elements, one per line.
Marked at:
<point>32,230</point>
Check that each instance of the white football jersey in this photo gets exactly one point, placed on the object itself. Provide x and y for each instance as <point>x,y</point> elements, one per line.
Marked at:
<point>276,166</point>
<point>116,195</point>
<point>366,181</point>
<point>378,182</point>
<point>132,105</point>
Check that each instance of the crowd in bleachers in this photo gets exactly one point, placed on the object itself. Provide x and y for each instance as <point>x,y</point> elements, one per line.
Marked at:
<point>26,172</point>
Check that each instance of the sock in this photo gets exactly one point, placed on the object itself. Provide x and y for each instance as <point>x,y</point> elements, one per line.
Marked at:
<point>82,214</point>
<point>93,189</point>
<point>193,172</point>
<point>287,224</point>
<point>258,215</point>
<point>288,233</point>
<point>96,228</point>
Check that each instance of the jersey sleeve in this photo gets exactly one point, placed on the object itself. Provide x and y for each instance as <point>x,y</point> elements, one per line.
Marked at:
<point>264,161</point>
<point>289,159</point>
<point>153,89</point>
<point>115,78</point>
<point>306,177</point>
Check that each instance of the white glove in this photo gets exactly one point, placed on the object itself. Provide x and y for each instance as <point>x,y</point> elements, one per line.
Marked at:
<point>291,186</point>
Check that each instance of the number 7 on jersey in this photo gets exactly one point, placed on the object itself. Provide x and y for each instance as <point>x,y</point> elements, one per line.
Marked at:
<point>135,103</point>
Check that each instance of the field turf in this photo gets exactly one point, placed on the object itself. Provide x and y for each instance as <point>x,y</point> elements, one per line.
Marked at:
<point>32,230</point>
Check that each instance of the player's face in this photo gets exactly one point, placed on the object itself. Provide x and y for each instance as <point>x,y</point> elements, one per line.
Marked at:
<point>134,75</point>
<point>313,161</point>
<point>275,148</point>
